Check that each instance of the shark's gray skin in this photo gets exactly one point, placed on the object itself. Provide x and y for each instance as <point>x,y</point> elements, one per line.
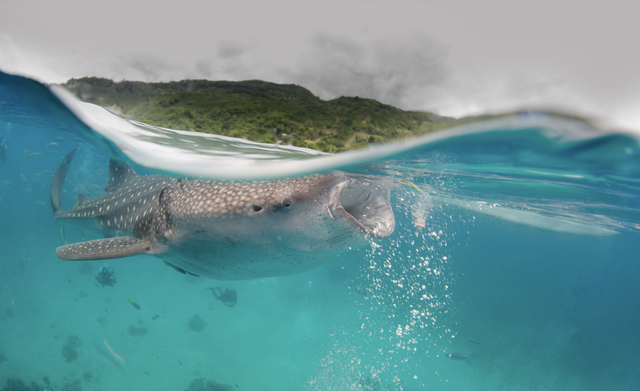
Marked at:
<point>227,231</point>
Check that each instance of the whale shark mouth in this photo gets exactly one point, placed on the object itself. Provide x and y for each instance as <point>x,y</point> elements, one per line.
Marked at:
<point>363,204</point>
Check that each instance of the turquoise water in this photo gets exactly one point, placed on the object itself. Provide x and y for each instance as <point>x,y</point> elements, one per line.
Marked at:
<point>521,234</point>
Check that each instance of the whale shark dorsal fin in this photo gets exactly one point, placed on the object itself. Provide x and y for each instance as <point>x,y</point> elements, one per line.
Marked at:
<point>119,174</point>
<point>81,200</point>
<point>104,249</point>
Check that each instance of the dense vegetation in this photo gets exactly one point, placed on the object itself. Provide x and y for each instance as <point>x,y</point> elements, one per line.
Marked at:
<point>258,111</point>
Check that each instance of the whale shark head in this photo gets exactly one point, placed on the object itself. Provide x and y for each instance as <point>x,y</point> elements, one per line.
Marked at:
<point>230,230</point>
<point>284,205</point>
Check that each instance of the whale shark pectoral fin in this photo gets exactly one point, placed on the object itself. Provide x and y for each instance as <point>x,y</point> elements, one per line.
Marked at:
<point>104,249</point>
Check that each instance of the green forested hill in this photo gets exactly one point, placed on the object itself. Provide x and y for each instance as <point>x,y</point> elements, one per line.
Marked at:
<point>258,111</point>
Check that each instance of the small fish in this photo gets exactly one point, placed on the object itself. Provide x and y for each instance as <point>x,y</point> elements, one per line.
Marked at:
<point>52,144</point>
<point>24,179</point>
<point>362,291</point>
<point>154,317</point>
<point>61,139</point>
<point>475,341</point>
<point>32,155</point>
<point>459,357</point>
<point>134,304</point>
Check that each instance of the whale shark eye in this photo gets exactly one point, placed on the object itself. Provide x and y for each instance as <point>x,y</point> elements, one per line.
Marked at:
<point>256,208</point>
<point>287,203</point>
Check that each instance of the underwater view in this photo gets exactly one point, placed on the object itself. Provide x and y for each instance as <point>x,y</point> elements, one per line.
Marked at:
<point>498,255</point>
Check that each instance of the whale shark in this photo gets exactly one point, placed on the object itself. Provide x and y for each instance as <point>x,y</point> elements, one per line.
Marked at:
<point>227,230</point>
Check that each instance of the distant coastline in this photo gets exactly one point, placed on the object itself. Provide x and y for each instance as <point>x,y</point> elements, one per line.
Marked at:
<point>259,111</point>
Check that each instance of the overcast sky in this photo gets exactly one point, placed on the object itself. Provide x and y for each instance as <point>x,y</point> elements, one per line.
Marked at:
<point>453,58</point>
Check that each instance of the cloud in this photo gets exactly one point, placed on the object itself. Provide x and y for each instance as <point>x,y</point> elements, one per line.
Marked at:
<point>9,57</point>
<point>415,72</point>
<point>153,68</point>
<point>204,69</point>
<point>499,90</point>
<point>234,49</point>
<point>400,70</point>
<point>15,59</point>
<point>144,67</point>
